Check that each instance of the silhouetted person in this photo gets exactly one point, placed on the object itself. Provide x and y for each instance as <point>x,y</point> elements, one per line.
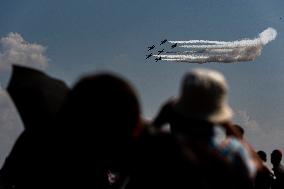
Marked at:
<point>159,163</point>
<point>38,99</point>
<point>265,176</point>
<point>240,130</point>
<point>98,123</point>
<point>199,155</point>
<point>262,155</point>
<point>278,169</point>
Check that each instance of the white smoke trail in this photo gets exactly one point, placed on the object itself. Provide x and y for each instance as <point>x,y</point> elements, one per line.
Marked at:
<point>198,41</point>
<point>202,51</point>
<point>234,44</point>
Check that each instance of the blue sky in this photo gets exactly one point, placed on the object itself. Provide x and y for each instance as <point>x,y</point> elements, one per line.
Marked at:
<point>112,35</point>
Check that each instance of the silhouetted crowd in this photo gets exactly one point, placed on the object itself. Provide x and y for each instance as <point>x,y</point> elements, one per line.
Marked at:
<point>93,136</point>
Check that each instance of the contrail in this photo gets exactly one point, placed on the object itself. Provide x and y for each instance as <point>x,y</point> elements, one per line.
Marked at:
<point>198,41</point>
<point>202,51</point>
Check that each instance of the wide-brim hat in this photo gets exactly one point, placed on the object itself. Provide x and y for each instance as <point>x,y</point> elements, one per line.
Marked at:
<point>203,96</point>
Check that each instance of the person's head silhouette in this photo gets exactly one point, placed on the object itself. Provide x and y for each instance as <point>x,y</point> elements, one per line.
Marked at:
<point>105,103</point>
<point>262,155</point>
<point>276,157</point>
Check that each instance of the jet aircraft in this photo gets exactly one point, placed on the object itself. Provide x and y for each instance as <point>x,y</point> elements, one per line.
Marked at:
<point>174,45</point>
<point>164,41</point>
<point>150,48</point>
<point>158,58</point>
<point>149,55</point>
<point>161,51</point>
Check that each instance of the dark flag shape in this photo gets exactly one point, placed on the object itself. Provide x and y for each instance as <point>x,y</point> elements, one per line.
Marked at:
<point>38,99</point>
<point>37,96</point>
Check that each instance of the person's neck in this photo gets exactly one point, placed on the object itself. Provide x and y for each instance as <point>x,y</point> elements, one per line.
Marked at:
<point>276,165</point>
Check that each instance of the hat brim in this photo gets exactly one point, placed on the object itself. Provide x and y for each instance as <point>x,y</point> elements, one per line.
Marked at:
<point>223,114</point>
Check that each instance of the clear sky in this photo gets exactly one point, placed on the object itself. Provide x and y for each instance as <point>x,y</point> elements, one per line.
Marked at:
<point>113,35</point>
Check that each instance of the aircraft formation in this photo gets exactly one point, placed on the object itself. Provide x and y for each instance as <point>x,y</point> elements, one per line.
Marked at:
<point>159,52</point>
<point>205,51</point>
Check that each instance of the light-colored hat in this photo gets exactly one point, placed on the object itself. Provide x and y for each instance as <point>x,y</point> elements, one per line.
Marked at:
<point>203,96</point>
